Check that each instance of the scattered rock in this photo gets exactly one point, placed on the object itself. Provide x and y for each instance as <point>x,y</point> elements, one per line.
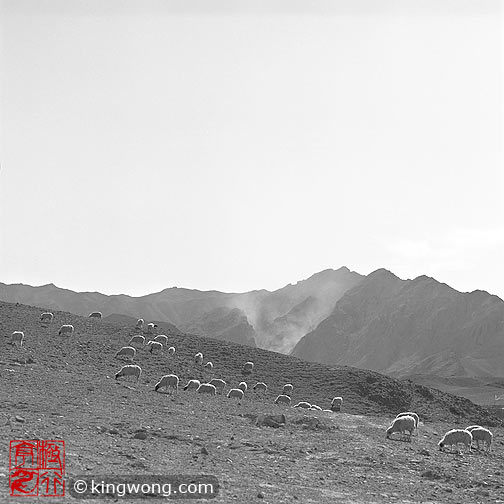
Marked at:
<point>425,452</point>
<point>140,435</point>
<point>204,451</point>
<point>260,495</point>
<point>483,493</point>
<point>113,431</point>
<point>430,474</point>
<point>19,419</point>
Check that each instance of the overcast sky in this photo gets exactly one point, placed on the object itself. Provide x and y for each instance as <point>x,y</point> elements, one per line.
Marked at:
<point>238,145</point>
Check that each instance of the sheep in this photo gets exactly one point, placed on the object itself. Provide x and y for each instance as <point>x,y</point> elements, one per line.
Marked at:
<point>315,407</point>
<point>302,404</point>
<point>138,338</point>
<point>46,317</point>
<point>454,437</point>
<point>129,370</point>
<point>287,389</point>
<point>162,338</point>
<point>66,329</point>
<point>207,388</point>
<point>336,403</point>
<point>126,351</point>
<point>260,386</point>
<point>218,384</point>
<point>17,338</point>
<point>283,399</point>
<point>235,393</point>
<point>150,327</point>
<point>168,381</point>
<point>192,385</point>
<point>410,413</point>
<point>401,425</point>
<point>139,324</point>
<point>198,358</point>
<point>171,350</point>
<point>472,427</point>
<point>248,367</point>
<point>155,346</point>
<point>95,314</point>
<point>209,366</point>
<point>243,386</point>
<point>482,434</point>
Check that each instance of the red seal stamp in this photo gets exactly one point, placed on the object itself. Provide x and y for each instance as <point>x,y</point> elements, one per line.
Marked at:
<point>37,468</point>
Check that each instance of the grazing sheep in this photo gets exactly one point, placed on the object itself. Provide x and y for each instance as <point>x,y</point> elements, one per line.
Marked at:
<point>218,384</point>
<point>235,393</point>
<point>129,370</point>
<point>484,435</point>
<point>46,317</point>
<point>155,346</point>
<point>198,358</point>
<point>162,338</point>
<point>150,327</point>
<point>168,381</point>
<point>66,329</point>
<point>209,365</point>
<point>207,388</point>
<point>410,413</point>
<point>96,314</point>
<point>454,437</point>
<point>260,386</point>
<point>336,403</point>
<point>401,425</point>
<point>287,389</point>
<point>472,427</point>
<point>17,338</point>
<point>315,407</point>
<point>243,386</point>
<point>139,324</point>
<point>283,399</point>
<point>192,385</point>
<point>248,367</point>
<point>303,404</point>
<point>171,350</point>
<point>126,351</point>
<point>138,338</point>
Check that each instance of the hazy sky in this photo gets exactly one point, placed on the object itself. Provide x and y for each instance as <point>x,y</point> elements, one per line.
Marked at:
<point>237,145</point>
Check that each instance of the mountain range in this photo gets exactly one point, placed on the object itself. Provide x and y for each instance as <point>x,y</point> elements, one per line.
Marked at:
<point>377,322</point>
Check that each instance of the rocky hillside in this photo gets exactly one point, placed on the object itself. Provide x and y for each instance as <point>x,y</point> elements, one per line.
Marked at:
<point>272,320</point>
<point>411,327</point>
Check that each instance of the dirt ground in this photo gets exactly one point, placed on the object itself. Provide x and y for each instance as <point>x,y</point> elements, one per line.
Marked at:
<point>64,388</point>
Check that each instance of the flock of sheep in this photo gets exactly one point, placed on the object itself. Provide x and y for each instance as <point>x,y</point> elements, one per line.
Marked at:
<point>405,423</point>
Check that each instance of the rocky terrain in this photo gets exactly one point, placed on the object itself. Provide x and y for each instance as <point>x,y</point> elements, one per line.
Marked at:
<point>411,327</point>
<point>64,388</point>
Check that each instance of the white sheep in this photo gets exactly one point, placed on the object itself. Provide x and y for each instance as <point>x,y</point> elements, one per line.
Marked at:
<point>138,338</point>
<point>454,437</point>
<point>283,399</point>
<point>302,404</point>
<point>150,327</point>
<point>96,314</point>
<point>336,403</point>
<point>483,435</point>
<point>243,386</point>
<point>410,413</point>
<point>129,370</point>
<point>139,324</point>
<point>472,427</point>
<point>17,338</point>
<point>126,351</point>
<point>46,317</point>
<point>207,388</point>
<point>209,366</point>
<point>171,350</point>
<point>260,386</point>
<point>168,381</point>
<point>315,407</point>
<point>162,338</point>
<point>218,384</point>
<point>66,329</point>
<point>155,346</point>
<point>235,393</point>
<point>248,367</point>
<point>198,358</point>
<point>192,385</point>
<point>287,389</point>
<point>401,425</point>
